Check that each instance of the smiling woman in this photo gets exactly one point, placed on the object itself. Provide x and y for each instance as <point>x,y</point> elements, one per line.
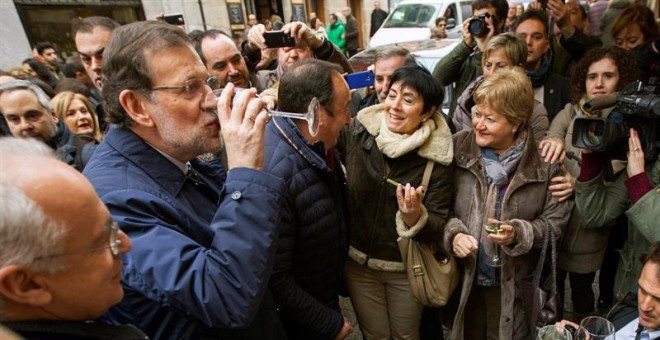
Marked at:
<point>500,176</point>
<point>394,140</point>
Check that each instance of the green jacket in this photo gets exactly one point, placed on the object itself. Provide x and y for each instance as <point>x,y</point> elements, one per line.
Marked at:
<point>460,66</point>
<point>601,205</point>
<point>337,35</point>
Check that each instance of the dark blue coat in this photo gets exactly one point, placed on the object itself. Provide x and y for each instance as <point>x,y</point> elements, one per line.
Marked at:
<point>311,246</point>
<point>200,261</point>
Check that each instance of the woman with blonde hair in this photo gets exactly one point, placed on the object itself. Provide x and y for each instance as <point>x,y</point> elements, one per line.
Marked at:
<point>503,209</point>
<point>78,114</point>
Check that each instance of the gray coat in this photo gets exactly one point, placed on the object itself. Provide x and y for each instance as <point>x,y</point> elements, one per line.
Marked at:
<point>530,209</point>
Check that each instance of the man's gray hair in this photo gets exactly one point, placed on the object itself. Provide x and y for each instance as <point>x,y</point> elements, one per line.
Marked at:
<point>26,232</point>
<point>13,85</point>
<point>394,51</point>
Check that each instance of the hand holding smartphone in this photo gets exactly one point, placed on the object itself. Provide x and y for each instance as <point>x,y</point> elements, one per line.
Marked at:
<point>278,39</point>
<point>360,79</point>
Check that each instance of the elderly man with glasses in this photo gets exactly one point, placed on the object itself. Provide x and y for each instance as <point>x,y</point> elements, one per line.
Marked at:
<point>60,262</point>
<point>202,235</point>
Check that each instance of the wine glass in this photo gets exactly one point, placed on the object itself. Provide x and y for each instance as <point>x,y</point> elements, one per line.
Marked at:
<point>554,332</point>
<point>493,227</point>
<point>311,116</point>
<point>595,328</point>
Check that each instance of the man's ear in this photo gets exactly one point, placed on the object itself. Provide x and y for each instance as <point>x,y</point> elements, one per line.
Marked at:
<point>22,286</point>
<point>80,76</point>
<point>136,106</point>
<point>54,115</point>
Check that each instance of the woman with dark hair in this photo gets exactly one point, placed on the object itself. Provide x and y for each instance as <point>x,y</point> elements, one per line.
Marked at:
<point>386,150</point>
<point>317,26</point>
<point>601,72</point>
<point>503,209</point>
<point>634,27</point>
<point>41,72</point>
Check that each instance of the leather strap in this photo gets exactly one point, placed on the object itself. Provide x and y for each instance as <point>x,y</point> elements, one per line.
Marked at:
<point>427,176</point>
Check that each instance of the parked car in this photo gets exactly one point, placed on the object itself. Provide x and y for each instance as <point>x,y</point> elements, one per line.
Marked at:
<point>427,53</point>
<point>412,20</point>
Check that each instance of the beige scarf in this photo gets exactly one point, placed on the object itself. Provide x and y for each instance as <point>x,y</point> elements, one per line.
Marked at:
<point>394,145</point>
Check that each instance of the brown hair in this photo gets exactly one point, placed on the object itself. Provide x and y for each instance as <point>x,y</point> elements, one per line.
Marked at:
<point>125,63</point>
<point>624,61</point>
<point>640,15</point>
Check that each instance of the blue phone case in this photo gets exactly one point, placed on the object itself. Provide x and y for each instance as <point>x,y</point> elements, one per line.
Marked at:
<point>360,79</point>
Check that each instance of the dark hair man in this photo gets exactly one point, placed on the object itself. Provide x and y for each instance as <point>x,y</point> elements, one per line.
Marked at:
<point>222,58</point>
<point>60,262</point>
<point>463,64</point>
<point>311,241</point>
<point>203,237</point>
<point>549,88</point>
<point>47,51</point>
<point>91,36</point>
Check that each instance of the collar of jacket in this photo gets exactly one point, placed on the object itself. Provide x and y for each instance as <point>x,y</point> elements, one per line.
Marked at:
<point>438,147</point>
<point>164,172</point>
<point>530,169</point>
<point>314,154</point>
<point>465,101</point>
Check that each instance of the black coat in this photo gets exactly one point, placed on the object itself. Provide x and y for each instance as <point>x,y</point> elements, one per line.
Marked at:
<point>377,18</point>
<point>312,241</point>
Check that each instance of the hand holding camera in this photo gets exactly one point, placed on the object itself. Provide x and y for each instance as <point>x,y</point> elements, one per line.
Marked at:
<point>481,28</point>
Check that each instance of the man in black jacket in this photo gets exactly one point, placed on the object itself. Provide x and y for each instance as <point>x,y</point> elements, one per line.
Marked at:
<point>377,18</point>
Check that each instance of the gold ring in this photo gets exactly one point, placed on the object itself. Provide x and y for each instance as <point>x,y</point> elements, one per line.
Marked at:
<point>636,149</point>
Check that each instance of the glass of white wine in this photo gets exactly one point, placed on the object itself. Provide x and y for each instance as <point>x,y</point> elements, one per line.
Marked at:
<point>493,227</point>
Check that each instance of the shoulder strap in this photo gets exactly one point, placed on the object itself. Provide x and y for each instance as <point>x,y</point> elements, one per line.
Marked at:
<point>427,176</point>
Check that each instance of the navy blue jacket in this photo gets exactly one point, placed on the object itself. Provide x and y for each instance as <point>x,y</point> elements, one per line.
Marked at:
<point>200,261</point>
<point>312,244</point>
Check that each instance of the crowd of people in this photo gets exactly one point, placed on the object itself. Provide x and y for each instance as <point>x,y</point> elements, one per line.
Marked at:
<point>173,185</point>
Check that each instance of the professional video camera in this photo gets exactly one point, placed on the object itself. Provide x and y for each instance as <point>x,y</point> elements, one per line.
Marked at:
<point>636,106</point>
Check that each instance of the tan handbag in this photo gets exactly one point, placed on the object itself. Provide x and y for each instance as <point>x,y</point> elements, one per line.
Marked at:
<point>433,274</point>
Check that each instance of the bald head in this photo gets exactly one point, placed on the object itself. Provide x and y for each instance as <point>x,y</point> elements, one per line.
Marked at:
<point>223,60</point>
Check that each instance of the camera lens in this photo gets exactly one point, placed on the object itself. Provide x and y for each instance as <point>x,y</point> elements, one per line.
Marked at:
<point>478,27</point>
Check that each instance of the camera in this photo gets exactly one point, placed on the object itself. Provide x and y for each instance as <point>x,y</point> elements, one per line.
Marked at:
<point>636,106</point>
<point>478,27</point>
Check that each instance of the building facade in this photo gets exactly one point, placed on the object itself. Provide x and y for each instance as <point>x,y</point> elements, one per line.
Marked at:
<point>26,22</point>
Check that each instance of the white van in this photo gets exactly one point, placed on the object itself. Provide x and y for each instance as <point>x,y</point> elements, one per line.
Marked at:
<point>412,20</point>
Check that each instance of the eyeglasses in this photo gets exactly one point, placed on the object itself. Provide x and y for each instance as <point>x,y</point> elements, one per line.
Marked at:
<point>114,243</point>
<point>192,87</point>
<point>442,25</point>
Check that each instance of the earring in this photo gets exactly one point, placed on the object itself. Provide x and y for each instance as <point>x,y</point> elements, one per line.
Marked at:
<point>513,131</point>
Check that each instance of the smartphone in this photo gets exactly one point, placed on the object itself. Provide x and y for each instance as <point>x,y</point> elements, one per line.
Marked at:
<point>360,79</point>
<point>174,19</point>
<point>278,39</point>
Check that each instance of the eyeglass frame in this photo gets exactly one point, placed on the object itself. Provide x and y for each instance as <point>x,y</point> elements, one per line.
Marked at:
<point>212,81</point>
<point>114,243</point>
